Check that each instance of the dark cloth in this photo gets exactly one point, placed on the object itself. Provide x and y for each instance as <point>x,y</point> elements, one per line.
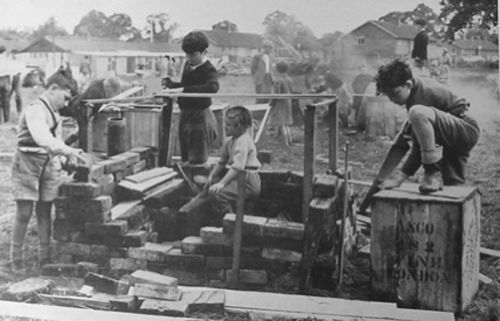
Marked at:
<point>197,132</point>
<point>420,42</point>
<point>202,79</point>
<point>197,124</point>
<point>16,90</point>
<point>454,130</point>
<point>5,88</point>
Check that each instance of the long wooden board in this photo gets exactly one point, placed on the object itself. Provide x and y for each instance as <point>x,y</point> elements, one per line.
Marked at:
<point>146,175</point>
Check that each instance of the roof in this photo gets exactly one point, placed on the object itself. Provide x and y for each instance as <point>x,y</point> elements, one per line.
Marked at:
<point>221,38</point>
<point>78,44</point>
<point>402,31</point>
<point>468,44</point>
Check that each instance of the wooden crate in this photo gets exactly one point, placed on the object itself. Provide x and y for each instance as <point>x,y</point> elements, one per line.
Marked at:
<point>425,249</point>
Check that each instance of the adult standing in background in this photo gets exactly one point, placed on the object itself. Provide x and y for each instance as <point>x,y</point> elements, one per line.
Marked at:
<point>8,69</point>
<point>420,42</point>
<point>262,71</point>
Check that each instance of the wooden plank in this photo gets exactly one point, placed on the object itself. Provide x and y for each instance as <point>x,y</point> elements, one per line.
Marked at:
<point>123,208</point>
<point>302,306</point>
<point>57,313</point>
<point>309,144</point>
<point>146,185</point>
<point>149,174</point>
<point>157,291</point>
<point>262,124</point>
<point>490,252</point>
<point>483,278</point>
<point>77,301</point>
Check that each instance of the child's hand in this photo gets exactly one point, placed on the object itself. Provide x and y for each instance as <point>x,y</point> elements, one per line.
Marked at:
<point>217,187</point>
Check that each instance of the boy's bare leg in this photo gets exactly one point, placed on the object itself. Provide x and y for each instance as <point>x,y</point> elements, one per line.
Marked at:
<point>23,215</point>
<point>422,119</point>
<point>42,210</point>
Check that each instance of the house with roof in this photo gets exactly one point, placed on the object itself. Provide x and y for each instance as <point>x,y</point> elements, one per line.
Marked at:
<point>473,49</point>
<point>236,46</point>
<point>107,57</point>
<point>377,42</point>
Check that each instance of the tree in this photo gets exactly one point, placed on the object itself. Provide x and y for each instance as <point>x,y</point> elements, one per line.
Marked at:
<point>226,26</point>
<point>92,24</point>
<point>460,14</point>
<point>119,25</point>
<point>158,27</point>
<point>286,27</point>
<point>434,23</point>
<point>49,29</point>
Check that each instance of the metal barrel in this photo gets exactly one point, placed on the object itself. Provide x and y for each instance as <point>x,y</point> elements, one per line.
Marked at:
<point>117,135</point>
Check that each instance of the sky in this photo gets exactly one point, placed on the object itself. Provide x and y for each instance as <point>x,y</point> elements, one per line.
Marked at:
<point>322,16</point>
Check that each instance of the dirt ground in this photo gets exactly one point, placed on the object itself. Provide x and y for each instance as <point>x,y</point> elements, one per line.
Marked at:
<point>478,86</point>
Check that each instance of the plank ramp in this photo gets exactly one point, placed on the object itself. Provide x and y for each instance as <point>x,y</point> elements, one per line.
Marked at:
<point>302,306</point>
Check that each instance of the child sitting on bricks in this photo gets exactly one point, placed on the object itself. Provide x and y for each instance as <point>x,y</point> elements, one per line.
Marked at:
<point>442,132</point>
<point>239,154</point>
<point>37,170</point>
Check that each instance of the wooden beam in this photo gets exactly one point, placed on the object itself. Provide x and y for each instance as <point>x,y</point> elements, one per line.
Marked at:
<point>238,230</point>
<point>490,252</point>
<point>333,137</point>
<point>166,121</point>
<point>309,142</point>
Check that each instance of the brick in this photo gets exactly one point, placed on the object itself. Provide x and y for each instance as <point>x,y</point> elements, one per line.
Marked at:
<point>148,277</point>
<point>283,229</point>
<point>283,255</point>
<point>118,176</point>
<point>106,284</point>
<point>127,264</point>
<point>74,248</point>
<point>157,291</point>
<point>83,206</point>
<point>118,252</point>
<point>144,152</point>
<point>131,211</point>
<point>81,189</point>
<point>195,245</point>
<point>185,277</point>
<point>113,228</point>
<point>325,185</point>
<point>124,303</point>
<point>113,165</point>
<point>150,251</point>
<point>249,276</point>
<point>130,158</point>
<point>205,301</point>
<point>162,307</point>
<point>252,225</point>
<point>65,231</point>
<point>224,262</point>
<point>134,239</point>
<point>138,167</point>
<point>26,289</point>
<point>215,235</point>
<point>90,173</point>
<point>108,184</point>
<point>176,259</point>
<point>62,270</point>
<point>282,243</point>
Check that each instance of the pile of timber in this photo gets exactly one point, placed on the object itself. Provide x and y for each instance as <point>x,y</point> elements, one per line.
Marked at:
<point>141,292</point>
<point>101,213</point>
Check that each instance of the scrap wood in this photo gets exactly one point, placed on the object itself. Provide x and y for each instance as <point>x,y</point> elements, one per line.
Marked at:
<point>149,174</point>
<point>490,252</point>
<point>147,184</point>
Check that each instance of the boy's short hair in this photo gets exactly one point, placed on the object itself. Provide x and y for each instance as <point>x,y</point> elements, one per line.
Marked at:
<point>392,75</point>
<point>421,22</point>
<point>60,81</point>
<point>281,67</point>
<point>194,41</point>
<point>241,114</point>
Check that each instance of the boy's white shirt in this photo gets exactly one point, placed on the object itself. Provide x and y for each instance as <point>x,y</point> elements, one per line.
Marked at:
<point>40,131</point>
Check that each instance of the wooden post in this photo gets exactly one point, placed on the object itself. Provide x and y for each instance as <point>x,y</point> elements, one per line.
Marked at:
<point>343,218</point>
<point>85,133</point>
<point>309,142</point>
<point>165,130</point>
<point>238,230</point>
<point>333,139</point>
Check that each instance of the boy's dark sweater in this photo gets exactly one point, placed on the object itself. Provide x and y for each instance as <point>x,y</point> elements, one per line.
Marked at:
<point>428,92</point>
<point>203,79</point>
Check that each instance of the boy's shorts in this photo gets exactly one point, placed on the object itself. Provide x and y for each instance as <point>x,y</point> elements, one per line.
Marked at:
<point>35,177</point>
<point>458,134</point>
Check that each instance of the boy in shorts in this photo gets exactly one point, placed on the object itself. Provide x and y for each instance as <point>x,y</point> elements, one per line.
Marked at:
<point>442,132</point>
<point>37,168</point>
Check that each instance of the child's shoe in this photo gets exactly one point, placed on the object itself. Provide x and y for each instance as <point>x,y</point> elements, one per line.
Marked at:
<point>431,183</point>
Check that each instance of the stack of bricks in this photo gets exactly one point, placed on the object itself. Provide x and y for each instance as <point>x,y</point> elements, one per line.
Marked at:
<point>87,227</point>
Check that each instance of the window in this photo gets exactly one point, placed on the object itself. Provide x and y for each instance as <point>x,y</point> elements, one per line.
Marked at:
<point>361,40</point>
<point>111,63</point>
